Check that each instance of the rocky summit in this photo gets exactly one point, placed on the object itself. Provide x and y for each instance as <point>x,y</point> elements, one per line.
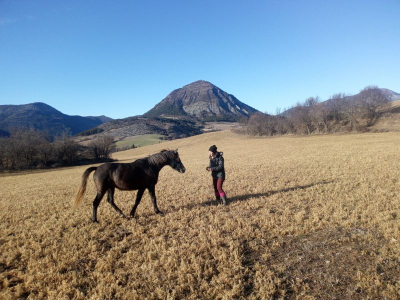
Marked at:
<point>202,101</point>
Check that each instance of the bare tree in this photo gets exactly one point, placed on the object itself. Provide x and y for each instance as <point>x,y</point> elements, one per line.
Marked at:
<point>303,115</point>
<point>322,116</point>
<point>281,124</point>
<point>3,149</point>
<point>30,141</point>
<point>371,100</point>
<point>340,112</point>
<point>102,147</point>
<point>243,121</point>
<point>336,104</point>
<point>254,125</point>
<point>67,150</point>
<point>15,154</point>
<point>45,152</point>
<point>351,112</point>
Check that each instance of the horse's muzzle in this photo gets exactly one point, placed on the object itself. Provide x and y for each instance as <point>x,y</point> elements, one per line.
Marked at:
<point>182,170</point>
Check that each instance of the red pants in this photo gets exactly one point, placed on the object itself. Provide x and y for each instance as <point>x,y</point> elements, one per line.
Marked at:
<point>219,192</point>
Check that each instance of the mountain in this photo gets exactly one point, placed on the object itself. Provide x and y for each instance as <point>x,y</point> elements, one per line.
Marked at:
<point>179,114</point>
<point>43,117</point>
<point>102,119</point>
<point>393,96</point>
<point>203,101</point>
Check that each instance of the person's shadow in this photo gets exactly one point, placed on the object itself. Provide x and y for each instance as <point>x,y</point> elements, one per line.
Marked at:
<point>246,197</point>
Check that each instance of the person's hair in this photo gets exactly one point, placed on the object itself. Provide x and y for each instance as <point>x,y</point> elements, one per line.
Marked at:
<point>213,149</point>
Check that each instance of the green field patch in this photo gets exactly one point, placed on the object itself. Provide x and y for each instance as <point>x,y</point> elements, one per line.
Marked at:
<point>139,141</point>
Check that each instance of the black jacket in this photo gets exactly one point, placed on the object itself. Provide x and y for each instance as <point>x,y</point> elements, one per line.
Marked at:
<point>217,166</point>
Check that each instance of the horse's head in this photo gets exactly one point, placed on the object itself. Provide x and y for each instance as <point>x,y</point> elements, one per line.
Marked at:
<point>176,162</point>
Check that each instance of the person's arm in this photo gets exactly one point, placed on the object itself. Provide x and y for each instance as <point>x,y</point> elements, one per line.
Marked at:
<point>209,168</point>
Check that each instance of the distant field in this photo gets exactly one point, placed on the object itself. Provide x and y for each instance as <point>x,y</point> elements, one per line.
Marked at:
<point>314,217</point>
<point>140,141</point>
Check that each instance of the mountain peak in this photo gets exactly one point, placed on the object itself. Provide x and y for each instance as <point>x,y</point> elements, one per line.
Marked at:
<point>199,83</point>
<point>201,100</point>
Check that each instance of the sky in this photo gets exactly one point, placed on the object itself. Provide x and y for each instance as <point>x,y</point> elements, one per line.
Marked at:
<point>120,58</point>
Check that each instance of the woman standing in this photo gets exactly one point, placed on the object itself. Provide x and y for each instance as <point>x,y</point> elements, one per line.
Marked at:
<point>217,170</point>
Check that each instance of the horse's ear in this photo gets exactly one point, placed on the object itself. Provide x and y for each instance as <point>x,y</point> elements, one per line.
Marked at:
<point>176,151</point>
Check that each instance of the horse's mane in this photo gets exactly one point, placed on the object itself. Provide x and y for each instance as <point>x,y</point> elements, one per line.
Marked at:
<point>161,157</point>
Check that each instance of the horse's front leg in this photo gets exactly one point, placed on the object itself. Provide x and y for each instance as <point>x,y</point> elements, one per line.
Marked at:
<point>138,198</point>
<point>152,191</point>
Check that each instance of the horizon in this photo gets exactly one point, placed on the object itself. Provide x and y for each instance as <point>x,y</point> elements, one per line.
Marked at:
<point>98,58</point>
<point>103,115</point>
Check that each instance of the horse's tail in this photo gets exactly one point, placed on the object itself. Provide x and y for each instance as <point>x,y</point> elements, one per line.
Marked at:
<point>82,188</point>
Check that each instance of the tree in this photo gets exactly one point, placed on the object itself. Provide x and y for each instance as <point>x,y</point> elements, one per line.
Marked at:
<point>303,115</point>
<point>67,150</point>
<point>371,100</point>
<point>3,148</point>
<point>336,105</point>
<point>351,112</point>
<point>322,115</point>
<point>261,124</point>
<point>102,147</point>
<point>282,125</point>
<point>46,152</point>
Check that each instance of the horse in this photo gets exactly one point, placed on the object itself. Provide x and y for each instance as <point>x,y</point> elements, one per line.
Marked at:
<point>139,175</point>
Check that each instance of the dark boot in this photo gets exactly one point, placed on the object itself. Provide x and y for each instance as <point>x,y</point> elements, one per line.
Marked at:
<point>223,198</point>
<point>217,200</point>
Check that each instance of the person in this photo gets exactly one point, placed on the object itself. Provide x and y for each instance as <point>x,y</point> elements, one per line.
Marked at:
<point>216,167</point>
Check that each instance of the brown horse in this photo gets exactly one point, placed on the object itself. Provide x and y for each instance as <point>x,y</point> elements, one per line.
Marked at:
<point>139,175</point>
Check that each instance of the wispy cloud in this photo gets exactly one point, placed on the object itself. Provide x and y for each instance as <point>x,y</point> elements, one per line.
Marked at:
<point>7,21</point>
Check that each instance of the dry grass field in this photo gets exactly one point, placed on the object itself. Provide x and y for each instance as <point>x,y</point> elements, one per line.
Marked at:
<point>314,217</point>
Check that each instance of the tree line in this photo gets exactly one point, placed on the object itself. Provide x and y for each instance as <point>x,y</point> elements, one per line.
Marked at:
<point>340,113</point>
<point>29,149</point>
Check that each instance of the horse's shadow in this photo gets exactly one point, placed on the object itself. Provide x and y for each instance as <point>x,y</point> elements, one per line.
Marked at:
<point>246,197</point>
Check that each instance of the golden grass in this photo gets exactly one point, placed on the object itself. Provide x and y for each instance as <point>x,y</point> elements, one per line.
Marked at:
<point>390,118</point>
<point>309,218</point>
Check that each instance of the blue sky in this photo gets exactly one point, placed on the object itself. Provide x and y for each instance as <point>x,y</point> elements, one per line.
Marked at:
<point>120,58</point>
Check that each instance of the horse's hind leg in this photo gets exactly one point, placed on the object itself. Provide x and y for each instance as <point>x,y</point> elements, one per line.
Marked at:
<point>152,191</point>
<point>96,203</point>
<point>110,199</point>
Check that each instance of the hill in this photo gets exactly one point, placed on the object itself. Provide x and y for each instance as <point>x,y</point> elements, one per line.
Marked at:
<point>389,119</point>
<point>202,101</point>
<point>133,126</point>
<point>393,96</point>
<point>43,117</point>
<point>316,218</point>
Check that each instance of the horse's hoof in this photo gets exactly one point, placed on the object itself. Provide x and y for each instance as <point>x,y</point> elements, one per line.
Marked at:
<point>95,221</point>
<point>159,212</point>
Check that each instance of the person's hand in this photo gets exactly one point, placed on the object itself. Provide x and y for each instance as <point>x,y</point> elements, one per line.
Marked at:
<point>208,169</point>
